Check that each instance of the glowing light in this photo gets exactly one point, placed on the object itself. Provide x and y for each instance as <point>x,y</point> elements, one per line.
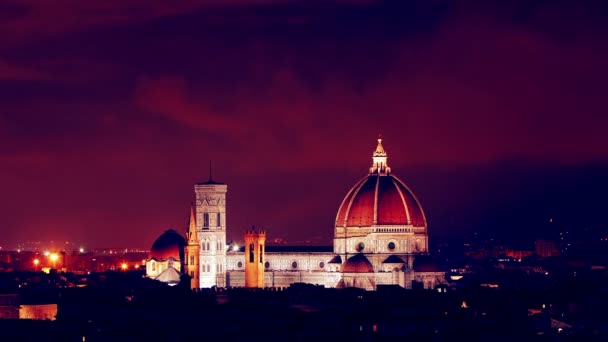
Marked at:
<point>124,266</point>
<point>81,250</point>
<point>46,253</point>
<point>54,257</point>
<point>36,262</point>
<point>235,248</point>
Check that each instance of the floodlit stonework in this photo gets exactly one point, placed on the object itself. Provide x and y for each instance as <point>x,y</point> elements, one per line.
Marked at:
<point>380,230</point>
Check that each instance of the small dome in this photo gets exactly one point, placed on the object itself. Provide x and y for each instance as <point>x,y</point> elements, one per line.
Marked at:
<point>424,263</point>
<point>357,264</point>
<point>169,245</point>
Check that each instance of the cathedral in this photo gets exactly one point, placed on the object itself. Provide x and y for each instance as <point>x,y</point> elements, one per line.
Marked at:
<point>380,238</point>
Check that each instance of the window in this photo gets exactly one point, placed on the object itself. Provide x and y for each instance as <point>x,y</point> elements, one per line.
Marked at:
<point>321,264</point>
<point>251,251</point>
<point>239,264</point>
<point>360,246</point>
<point>206,221</point>
<point>267,264</point>
<point>261,252</point>
<point>208,246</point>
<point>391,245</point>
<point>219,221</point>
<point>294,264</point>
<point>192,260</point>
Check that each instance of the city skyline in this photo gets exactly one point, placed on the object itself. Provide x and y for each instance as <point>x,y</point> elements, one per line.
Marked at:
<point>493,114</point>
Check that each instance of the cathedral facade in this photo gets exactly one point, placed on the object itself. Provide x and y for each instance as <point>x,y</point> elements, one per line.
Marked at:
<point>380,237</point>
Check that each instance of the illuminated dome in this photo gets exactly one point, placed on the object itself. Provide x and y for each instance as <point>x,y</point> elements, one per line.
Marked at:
<point>380,199</point>
<point>357,264</point>
<point>169,245</point>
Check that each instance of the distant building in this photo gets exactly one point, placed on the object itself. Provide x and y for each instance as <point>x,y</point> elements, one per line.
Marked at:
<point>546,248</point>
<point>10,308</point>
<point>380,229</point>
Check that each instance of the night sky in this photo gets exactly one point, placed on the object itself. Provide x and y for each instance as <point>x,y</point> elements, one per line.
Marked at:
<point>494,113</point>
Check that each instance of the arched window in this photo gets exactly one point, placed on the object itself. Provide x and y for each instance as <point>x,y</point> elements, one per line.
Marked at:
<point>208,246</point>
<point>251,251</point>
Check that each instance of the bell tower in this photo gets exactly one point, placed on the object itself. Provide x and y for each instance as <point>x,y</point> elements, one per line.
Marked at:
<point>254,258</point>
<point>211,230</point>
<point>193,252</point>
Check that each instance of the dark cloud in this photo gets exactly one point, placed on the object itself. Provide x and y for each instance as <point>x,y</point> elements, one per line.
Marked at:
<point>113,110</point>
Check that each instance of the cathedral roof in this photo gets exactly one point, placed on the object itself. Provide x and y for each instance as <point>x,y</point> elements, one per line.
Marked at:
<point>169,245</point>
<point>380,198</point>
<point>357,264</point>
<point>393,259</point>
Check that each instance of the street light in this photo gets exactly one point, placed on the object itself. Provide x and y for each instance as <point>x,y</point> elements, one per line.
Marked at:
<point>54,257</point>
<point>36,262</point>
<point>124,266</point>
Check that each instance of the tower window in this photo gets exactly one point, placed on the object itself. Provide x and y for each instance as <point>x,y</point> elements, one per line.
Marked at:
<point>251,251</point>
<point>261,252</point>
<point>219,221</point>
<point>205,220</point>
<point>192,260</point>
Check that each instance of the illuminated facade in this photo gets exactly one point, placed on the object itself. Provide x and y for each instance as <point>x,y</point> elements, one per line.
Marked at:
<point>380,229</point>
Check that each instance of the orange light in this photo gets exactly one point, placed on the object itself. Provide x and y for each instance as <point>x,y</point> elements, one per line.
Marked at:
<point>124,266</point>
<point>36,262</point>
<point>54,257</point>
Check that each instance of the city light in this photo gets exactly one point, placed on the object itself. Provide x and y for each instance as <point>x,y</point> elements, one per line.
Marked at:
<point>81,250</point>
<point>54,257</point>
<point>124,266</point>
<point>36,262</point>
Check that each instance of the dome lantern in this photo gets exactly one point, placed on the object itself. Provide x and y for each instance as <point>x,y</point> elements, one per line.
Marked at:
<point>379,159</point>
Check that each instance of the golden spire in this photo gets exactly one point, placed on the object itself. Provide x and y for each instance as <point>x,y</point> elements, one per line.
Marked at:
<point>379,159</point>
<point>192,236</point>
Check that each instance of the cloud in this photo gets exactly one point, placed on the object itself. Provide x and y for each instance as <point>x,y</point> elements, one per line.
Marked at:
<point>169,96</point>
<point>13,72</point>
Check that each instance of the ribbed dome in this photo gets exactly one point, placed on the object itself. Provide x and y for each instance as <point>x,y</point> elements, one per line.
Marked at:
<point>357,264</point>
<point>380,199</point>
<point>169,244</point>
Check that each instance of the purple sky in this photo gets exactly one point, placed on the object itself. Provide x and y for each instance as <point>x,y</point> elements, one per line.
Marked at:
<point>492,112</point>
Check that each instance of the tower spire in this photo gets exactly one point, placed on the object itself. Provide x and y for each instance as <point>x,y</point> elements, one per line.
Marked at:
<point>192,235</point>
<point>379,159</point>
